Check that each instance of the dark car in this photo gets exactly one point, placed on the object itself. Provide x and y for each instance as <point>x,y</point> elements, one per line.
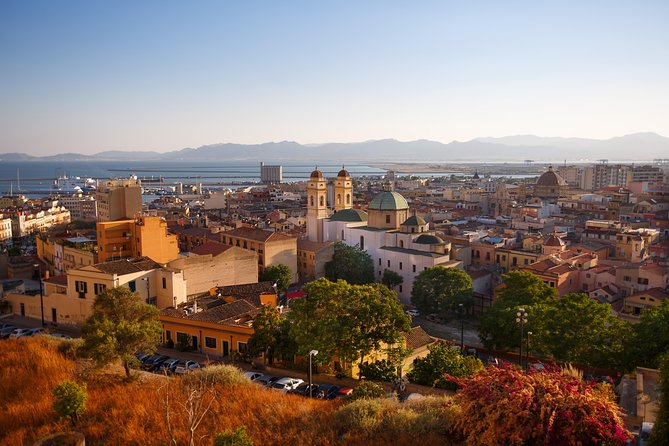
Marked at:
<point>327,391</point>
<point>303,390</point>
<point>5,332</point>
<point>168,366</point>
<point>267,380</point>
<point>152,364</point>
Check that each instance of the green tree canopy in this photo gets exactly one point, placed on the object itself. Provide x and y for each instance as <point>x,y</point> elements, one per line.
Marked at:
<point>279,274</point>
<point>266,333</point>
<point>499,329</point>
<point>578,329</point>
<point>660,434</point>
<point>344,320</point>
<point>444,359</point>
<point>439,289</point>
<point>350,263</point>
<point>121,324</point>
<point>651,337</point>
<point>69,400</point>
<point>391,279</point>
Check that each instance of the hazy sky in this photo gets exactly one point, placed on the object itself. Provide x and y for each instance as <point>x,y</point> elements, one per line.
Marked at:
<point>87,76</point>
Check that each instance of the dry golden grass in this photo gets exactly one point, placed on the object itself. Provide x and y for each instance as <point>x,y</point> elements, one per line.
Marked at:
<point>134,413</point>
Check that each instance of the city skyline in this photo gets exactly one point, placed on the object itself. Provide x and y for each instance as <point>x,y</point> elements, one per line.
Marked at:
<point>85,77</point>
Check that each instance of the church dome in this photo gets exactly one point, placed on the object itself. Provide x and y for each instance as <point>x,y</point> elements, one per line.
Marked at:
<point>343,173</point>
<point>388,201</point>
<point>349,215</point>
<point>427,239</point>
<point>551,179</point>
<point>414,221</point>
<point>316,174</point>
<point>553,240</point>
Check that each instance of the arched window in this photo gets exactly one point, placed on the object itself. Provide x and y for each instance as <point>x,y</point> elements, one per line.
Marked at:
<point>312,200</point>
<point>348,198</point>
<point>338,198</point>
<point>322,200</point>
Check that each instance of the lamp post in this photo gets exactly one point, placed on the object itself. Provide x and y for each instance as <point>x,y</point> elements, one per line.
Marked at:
<point>312,353</point>
<point>462,328</point>
<point>522,320</point>
<point>527,353</point>
<point>41,291</point>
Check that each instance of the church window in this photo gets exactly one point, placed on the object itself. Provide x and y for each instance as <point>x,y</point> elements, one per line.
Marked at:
<point>387,218</point>
<point>322,201</point>
<point>413,230</point>
<point>312,200</point>
<point>348,198</point>
<point>338,198</point>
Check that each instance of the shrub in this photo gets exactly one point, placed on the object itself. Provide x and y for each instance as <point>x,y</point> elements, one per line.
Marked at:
<point>238,437</point>
<point>69,400</point>
<point>367,390</point>
<point>362,416</point>
<point>382,370</point>
<point>216,374</point>
<point>70,348</point>
<point>507,406</point>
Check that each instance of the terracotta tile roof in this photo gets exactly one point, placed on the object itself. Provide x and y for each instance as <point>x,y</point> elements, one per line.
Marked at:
<point>250,292</point>
<point>255,234</point>
<point>210,247</point>
<point>57,280</point>
<point>657,293</point>
<point>226,313</point>
<point>308,245</point>
<point>127,266</point>
<point>417,338</point>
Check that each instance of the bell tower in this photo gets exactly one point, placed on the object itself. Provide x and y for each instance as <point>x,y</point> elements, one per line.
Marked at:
<point>343,191</point>
<point>317,209</point>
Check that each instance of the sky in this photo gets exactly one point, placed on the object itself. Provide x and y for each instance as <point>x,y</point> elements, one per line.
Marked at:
<point>88,76</point>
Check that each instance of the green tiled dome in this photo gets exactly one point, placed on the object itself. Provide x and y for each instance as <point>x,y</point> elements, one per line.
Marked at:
<point>388,201</point>
<point>350,215</point>
<point>414,221</point>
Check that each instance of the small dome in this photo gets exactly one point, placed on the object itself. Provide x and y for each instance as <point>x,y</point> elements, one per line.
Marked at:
<point>550,178</point>
<point>350,215</point>
<point>316,174</point>
<point>427,239</point>
<point>343,173</point>
<point>553,240</point>
<point>388,201</point>
<point>414,221</point>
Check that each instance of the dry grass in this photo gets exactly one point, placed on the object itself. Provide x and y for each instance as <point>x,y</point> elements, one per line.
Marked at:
<point>134,412</point>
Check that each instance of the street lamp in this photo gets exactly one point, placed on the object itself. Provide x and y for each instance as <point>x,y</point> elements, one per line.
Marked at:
<point>312,353</point>
<point>41,291</point>
<point>527,353</point>
<point>522,320</point>
<point>462,328</point>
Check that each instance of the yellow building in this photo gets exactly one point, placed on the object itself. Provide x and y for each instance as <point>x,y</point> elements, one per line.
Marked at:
<point>118,198</point>
<point>272,248</point>
<point>5,229</point>
<point>142,236</point>
<point>631,307</point>
<point>311,259</point>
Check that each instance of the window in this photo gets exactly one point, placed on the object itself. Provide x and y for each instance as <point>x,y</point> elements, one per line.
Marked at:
<point>587,275</point>
<point>168,335</point>
<point>311,200</point>
<point>400,288</point>
<point>414,268</point>
<point>401,243</point>
<point>387,218</point>
<point>342,235</point>
<point>526,261</point>
<point>348,198</point>
<point>379,261</point>
<point>514,261</point>
<point>182,337</point>
<point>552,284</point>
<point>322,202</point>
<point>164,283</point>
<point>245,246</point>
<point>81,286</point>
<point>627,278</point>
<point>338,198</point>
<point>241,347</point>
<point>388,263</point>
<point>400,265</point>
<point>209,342</point>
<point>99,288</point>
<point>132,285</point>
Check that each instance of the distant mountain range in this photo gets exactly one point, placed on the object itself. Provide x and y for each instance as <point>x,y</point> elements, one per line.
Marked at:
<point>634,147</point>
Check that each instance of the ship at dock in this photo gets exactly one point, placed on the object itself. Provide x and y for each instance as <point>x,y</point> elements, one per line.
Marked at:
<point>68,184</point>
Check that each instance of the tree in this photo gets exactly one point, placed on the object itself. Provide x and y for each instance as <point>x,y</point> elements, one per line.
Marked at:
<point>120,325</point>
<point>383,370</point>
<point>508,406</point>
<point>499,329</point>
<point>346,321</point>
<point>266,331</point>
<point>70,400</point>
<point>367,390</point>
<point>578,329</point>
<point>351,264</point>
<point>651,337</point>
<point>660,434</point>
<point>438,289</point>
<point>443,360</point>
<point>391,279</point>
<point>279,274</point>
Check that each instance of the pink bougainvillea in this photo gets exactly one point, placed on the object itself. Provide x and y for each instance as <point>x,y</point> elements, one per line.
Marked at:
<point>506,406</point>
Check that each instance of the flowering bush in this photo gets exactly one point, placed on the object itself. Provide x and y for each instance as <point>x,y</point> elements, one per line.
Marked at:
<point>507,406</point>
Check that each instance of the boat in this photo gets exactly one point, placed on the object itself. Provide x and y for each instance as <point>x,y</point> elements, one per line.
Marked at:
<point>74,184</point>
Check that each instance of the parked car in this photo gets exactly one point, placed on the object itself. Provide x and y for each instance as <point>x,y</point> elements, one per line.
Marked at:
<point>186,366</point>
<point>60,335</point>
<point>6,325</point>
<point>412,313</point>
<point>36,331</point>
<point>155,361</point>
<point>303,389</point>
<point>327,391</point>
<point>286,384</point>
<point>344,392</point>
<point>141,356</point>
<point>253,375</point>
<point>5,332</point>
<point>168,366</point>
<point>267,380</point>
<point>20,333</point>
